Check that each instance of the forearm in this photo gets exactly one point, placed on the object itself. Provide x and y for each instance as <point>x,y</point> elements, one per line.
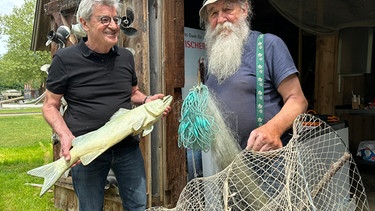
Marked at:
<point>54,118</point>
<point>52,115</point>
<point>295,103</point>
<point>138,98</point>
<point>283,121</point>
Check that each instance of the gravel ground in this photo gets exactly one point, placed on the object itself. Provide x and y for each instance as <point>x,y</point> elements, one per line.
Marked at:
<point>20,105</point>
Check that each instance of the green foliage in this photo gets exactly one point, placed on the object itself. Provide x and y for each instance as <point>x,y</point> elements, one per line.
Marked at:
<point>20,65</point>
<point>24,144</point>
<point>16,86</point>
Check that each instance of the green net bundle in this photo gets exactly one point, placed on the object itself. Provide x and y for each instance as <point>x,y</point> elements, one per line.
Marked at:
<point>202,127</point>
<point>197,128</point>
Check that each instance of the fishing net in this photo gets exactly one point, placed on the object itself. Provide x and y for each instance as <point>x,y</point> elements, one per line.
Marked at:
<point>202,125</point>
<point>315,171</point>
<point>197,128</point>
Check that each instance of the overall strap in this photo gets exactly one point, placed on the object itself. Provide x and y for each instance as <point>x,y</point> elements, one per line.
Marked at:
<point>260,80</point>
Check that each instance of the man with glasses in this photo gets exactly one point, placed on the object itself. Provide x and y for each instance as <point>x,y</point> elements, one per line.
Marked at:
<point>96,78</point>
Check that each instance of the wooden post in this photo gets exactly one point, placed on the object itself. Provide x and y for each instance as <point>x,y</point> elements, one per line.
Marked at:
<point>326,74</point>
<point>173,62</point>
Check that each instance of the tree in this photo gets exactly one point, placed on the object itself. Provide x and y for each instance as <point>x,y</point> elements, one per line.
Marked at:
<point>20,65</point>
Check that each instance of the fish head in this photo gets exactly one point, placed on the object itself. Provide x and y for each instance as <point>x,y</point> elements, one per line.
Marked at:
<point>157,107</point>
<point>155,111</point>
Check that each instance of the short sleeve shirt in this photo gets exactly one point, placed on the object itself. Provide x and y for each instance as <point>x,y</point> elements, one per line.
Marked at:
<point>238,92</point>
<point>94,85</point>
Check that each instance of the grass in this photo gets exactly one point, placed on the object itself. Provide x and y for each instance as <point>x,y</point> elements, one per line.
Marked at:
<point>24,144</point>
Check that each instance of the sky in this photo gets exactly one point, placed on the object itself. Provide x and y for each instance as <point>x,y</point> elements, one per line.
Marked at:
<point>6,7</point>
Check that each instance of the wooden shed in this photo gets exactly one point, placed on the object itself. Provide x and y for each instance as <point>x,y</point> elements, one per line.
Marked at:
<point>159,57</point>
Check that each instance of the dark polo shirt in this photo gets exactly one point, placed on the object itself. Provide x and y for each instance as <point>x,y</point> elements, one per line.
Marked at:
<point>94,85</point>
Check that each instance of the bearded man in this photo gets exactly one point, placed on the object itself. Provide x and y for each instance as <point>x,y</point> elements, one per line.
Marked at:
<point>231,76</point>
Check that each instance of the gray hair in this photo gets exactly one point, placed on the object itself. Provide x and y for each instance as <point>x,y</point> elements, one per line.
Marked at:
<point>85,8</point>
<point>203,21</point>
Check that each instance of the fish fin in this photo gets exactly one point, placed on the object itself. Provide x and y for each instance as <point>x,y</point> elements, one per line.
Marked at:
<point>50,172</point>
<point>89,157</point>
<point>138,124</point>
<point>147,130</point>
<point>120,112</point>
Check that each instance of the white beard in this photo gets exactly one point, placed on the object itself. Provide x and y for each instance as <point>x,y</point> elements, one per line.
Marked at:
<point>225,47</point>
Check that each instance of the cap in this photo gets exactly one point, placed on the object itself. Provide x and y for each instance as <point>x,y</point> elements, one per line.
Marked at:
<point>205,3</point>
<point>202,12</point>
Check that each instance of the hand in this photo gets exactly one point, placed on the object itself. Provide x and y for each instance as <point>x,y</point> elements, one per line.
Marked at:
<point>66,146</point>
<point>160,96</point>
<point>154,97</point>
<point>261,139</point>
<point>166,111</point>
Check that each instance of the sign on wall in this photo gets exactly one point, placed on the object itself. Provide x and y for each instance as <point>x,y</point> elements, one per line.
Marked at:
<point>194,49</point>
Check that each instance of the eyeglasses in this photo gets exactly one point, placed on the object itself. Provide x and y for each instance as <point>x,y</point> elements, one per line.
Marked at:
<point>106,20</point>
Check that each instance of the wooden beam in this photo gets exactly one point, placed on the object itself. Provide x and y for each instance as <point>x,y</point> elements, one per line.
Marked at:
<point>173,62</point>
<point>11,100</point>
<point>326,74</point>
<point>39,35</point>
<point>60,6</point>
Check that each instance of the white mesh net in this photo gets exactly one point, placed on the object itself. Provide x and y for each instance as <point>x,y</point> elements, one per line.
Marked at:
<point>315,171</point>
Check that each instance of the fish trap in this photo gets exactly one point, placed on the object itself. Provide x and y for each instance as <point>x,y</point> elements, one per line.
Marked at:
<point>315,171</point>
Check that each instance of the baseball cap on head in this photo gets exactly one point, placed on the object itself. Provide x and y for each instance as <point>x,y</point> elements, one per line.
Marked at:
<point>205,3</point>
<point>203,13</point>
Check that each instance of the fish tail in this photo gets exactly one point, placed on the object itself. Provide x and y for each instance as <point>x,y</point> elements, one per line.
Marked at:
<point>50,172</point>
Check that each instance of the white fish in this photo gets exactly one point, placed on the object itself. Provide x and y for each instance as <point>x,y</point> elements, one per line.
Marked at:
<point>89,146</point>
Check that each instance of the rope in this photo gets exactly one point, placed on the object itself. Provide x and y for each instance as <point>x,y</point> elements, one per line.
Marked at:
<point>197,128</point>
